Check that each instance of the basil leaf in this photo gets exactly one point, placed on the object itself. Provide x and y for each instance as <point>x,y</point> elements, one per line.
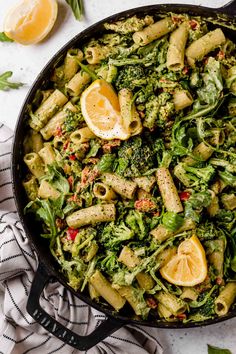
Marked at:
<point>5,84</point>
<point>172,221</point>
<point>215,350</point>
<point>106,163</point>
<point>4,38</point>
<point>76,7</point>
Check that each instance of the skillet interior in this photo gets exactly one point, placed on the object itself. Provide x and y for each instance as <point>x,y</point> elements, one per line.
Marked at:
<point>30,227</point>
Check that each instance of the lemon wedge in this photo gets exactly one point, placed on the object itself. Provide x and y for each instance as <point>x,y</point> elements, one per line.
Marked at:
<point>189,266</point>
<point>29,21</point>
<point>101,111</point>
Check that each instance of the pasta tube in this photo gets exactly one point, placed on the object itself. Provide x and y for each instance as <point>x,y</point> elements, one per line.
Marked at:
<point>129,293</point>
<point>35,164</point>
<point>129,115</point>
<point>71,63</point>
<point>163,312</point>
<point>103,192</point>
<point>92,215</point>
<point>31,188</point>
<point>47,109</point>
<point>201,151</point>
<point>214,207</point>
<point>204,45</point>
<point>177,43</point>
<point>225,299</point>
<point>216,258</point>
<point>47,154</point>
<point>82,135</point>
<point>189,294</point>
<point>182,99</point>
<point>146,183</point>
<point>56,121</point>
<point>229,201</point>
<point>95,55</point>
<point>174,304</point>
<point>104,289</point>
<point>120,185</point>
<point>154,31</point>
<point>145,281</point>
<point>128,258</point>
<point>168,190</point>
<point>78,82</point>
<point>33,142</point>
<point>47,191</point>
<point>92,292</point>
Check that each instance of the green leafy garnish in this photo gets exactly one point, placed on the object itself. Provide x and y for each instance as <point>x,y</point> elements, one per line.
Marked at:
<point>215,350</point>
<point>172,221</point>
<point>56,179</point>
<point>76,7</point>
<point>4,38</point>
<point>5,84</point>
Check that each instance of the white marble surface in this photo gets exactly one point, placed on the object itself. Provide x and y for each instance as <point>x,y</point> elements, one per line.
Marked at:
<point>26,63</point>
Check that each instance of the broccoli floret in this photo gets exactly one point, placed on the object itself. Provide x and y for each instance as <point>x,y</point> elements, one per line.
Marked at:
<point>205,174</point>
<point>135,157</point>
<point>110,263</point>
<point>130,76</point>
<point>135,220</point>
<point>158,110</point>
<point>73,120</point>
<point>113,235</point>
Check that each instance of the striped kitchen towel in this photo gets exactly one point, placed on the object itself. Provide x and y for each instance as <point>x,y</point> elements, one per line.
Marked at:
<point>19,333</point>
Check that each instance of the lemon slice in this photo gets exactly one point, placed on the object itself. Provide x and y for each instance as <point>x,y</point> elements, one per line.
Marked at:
<point>189,266</point>
<point>29,21</point>
<point>101,111</point>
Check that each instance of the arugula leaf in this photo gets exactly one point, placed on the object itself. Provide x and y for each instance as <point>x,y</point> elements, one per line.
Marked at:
<point>4,38</point>
<point>55,178</point>
<point>47,210</point>
<point>215,350</point>
<point>76,7</point>
<point>5,84</point>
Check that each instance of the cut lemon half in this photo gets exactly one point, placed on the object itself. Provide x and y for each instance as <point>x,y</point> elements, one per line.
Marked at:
<point>29,21</point>
<point>189,266</point>
<point>101,111</point>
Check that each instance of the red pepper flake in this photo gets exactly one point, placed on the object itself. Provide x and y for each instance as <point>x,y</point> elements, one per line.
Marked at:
<point>71,233</point>
<point>58,131</point>
<point>221,55</point>
<point>144,205</point>
<point>151,302</point>
<point>72,157</point>
<point>107,147</point>
<point>185,70</point>
<point>193,24</point>
<point>219,280</point>
<point>71,181</point>
<point>65,146</point>
<point>60,223</point>
<point>176,19</point>
<point>184,196</point>
<point>181,316</point>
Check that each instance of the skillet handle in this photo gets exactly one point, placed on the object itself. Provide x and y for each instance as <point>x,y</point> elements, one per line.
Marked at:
<point>82,343</point>
<point>229,8</point>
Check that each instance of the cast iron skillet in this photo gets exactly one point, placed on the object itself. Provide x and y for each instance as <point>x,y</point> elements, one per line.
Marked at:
<point>48,269</point>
